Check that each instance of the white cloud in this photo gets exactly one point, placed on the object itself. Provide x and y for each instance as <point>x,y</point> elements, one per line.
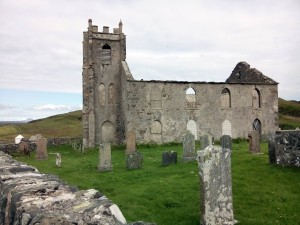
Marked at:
<point>53,107</point>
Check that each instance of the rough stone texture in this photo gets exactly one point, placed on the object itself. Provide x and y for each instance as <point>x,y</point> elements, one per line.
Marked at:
<point>162,111</point>
<point>105,157</point>
<point>14,148</point>
<point>189,150</point>
<point>130,142</point>
<point>28,197</point>
<point>169,158</point>
<point>216,186</point>
<point>254,142</point>
<point>41,149</point>
<point>206,140</point>
<point>243,73</point>
<point>134,161</point>
<point>284,148</point>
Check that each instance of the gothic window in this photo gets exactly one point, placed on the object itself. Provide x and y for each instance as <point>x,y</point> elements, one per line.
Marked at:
<point>106,54</point>
<point>192,127</point>
<point>190,98</point>
<point>155,98</point>
<point>101,94</point>
<point>111,94</point>
<point>256,99</point>
<point>225,99</point>
<point>226,128</point>
<point>156,127</point>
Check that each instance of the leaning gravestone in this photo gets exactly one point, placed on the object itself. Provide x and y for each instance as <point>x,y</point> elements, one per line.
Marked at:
<point>169,158</point>
<point>105,157</point>
<point>254,141</point>
<point>189,151</point>
<point>134,161</point>
<point>214,165</point>
<point>41,148</point>
<point>130,142</point>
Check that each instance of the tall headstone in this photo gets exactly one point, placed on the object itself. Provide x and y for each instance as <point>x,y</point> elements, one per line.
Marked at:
<point>214,165</point>
<point>105,157</point>
<point>206,140</point>
<point>24,147</point>
<point>130,142</point>
<point>254,141</point>
<point>41,148</point>
<point>134,161</point>
<point>169,158</point>
<point>226,142</point>
<point>189,151</point>
<point>58,160</point>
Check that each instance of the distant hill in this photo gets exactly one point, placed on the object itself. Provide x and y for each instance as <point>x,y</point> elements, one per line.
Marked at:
<point>62,125</point>
<point>70,124</point>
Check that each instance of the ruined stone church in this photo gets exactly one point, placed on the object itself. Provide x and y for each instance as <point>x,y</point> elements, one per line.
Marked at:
<point>162,111</point>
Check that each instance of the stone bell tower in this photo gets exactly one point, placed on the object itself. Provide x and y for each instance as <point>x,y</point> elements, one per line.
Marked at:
<point>103,53</point>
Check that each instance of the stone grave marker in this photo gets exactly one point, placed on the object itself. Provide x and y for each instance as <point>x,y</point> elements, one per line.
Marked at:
<point>130,142</point>
<point>206,140</point>
<point>58,160</point>
<point>105,157</point>
<point>169,158</point>
<point>134,160</point>
<point>226,142</point>
<point>214,165</point>
<point>24,148</point>
<point>189,151</point>
<point>254,141</point>
<point>41,148</point>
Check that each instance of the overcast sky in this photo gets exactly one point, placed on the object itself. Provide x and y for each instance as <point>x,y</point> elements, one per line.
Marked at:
<point>194,40</point>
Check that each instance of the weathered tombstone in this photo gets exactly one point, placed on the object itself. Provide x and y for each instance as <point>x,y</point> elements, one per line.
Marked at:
<point>41,148</point>
<point>58,160</point>
<point>226,142</point>
<point>134,160</point>
<point>206,140</point>
<point>24,148</point>
<point>271,149</point>
<point>105,157</point>
<point>214,165</point>
<point>169,158</point>
<point>189,151</point>
<point>130,142</point>
<point>254,141</point>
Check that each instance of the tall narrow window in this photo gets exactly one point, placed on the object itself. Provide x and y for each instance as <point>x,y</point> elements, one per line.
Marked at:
<point>256,99</point>
<point>106,54</point>
<point>190,98</point>
<point>155,98</point>
<point>111,94</point>
<point>225,99</point>
<point>101,94</point>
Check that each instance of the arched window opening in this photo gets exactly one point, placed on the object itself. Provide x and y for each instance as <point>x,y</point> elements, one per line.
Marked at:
<point>111,94</point>
<point>101,94</point>
<point>225,99</point>
<point>256,99</point>
<point>257,125</point>
<point>106,54</point>
<point>190,98</point>
<point>155,98</point>
<point>156,127</point>
<point>192,127</point>
<point>226,128</point>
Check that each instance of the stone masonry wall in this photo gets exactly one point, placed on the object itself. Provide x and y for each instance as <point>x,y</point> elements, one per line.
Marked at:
<point>284,148</point>
<point>28,197</point>
<point>208,114</point>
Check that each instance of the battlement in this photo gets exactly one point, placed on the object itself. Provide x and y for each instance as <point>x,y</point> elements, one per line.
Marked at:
<point>105,30</point>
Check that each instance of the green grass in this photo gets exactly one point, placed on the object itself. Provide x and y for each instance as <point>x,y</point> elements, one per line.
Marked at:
<point>262,193</point>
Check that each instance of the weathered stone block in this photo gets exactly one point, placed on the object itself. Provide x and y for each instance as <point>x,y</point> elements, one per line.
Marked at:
<point>134,161</point>
<point>189,151</point>
<point>254,141</point>
<point>105,157</point>
<point>169,158</point>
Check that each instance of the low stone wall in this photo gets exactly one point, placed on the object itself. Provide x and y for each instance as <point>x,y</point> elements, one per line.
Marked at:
<point>284,148</point>
<point>14,148</point>
<point>63,140</point>
<point>29,197</point>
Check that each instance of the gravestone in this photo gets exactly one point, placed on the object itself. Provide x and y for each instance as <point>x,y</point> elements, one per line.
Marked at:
<point>206,140</point>
<point>105,157</point>
<point>226,142</point>
<point>130,142</point>
<point>214,165</point>
<point>254,141</point>
<point>169,158</point>
<point>24,148</point>
<point>41,148</point>
<point>58,160</point>
<point>189,151</point>
<point>134,161</point>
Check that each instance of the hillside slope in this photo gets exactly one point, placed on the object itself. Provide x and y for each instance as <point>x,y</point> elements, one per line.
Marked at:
<point>70,124</point>
<point>62,125</point>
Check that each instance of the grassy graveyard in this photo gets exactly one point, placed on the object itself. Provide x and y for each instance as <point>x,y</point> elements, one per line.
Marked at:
<point>262,193</point>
